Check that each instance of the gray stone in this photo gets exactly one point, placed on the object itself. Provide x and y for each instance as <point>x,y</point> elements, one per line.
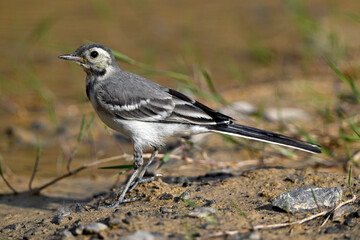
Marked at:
<point>62,213</point>
<point>79,230</point>
<point>340,213</point>
<point>11,227</point>
<point>185,196</point>
<point>165,210</point>
<point>201,212</point>
<point>79,208</point>
<point>95,227</point>
<point>143,235</point>
<point>255,235</point>
<point>114,221</point>
<point>67,234</point>
<point>302,200</point>
<point>285,114</point>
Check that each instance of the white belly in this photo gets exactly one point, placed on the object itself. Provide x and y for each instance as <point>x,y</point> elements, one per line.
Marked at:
<point>150,134</point>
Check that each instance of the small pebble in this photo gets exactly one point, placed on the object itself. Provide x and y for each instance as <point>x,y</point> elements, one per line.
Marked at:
<point>95,227</point>
<point>238,109</point>
<point>209,203</point>
<point>200,212</point>
<point>338,215</point>
<point>255,235</point>
<point>285,114</point>
<point>11,227</point>
<point>143,235</point>
<point>114,221</point>
<point>166,196</point>
<point>185,196</point>
<point>79,230</point>
<point>350,222</point>
<point>67,234</point>
<point>79,208</point>
<point>164,210</point>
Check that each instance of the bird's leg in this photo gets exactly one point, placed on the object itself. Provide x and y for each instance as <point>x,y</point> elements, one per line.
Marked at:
<point>138,163</point>
<point>143,171</point>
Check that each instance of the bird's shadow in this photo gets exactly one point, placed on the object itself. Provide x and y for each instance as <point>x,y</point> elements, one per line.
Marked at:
<point>40,201</point>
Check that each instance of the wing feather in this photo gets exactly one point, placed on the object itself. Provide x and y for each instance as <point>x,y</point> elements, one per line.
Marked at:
<point>166,106</point>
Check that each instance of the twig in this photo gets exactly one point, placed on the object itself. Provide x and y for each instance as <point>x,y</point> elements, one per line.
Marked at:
<point>34,171</point>
<point>327,218</point>
<point>124,156</point>
<point>37,159</point>
<point>3,177</point>
<point>8,184</point>
<point>68,174</point>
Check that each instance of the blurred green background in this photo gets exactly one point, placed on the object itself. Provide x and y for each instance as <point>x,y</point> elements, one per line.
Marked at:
<point>268,53</point>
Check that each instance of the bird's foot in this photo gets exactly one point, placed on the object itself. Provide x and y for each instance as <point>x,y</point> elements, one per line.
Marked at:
<point>121,200</point>
<point>142,180</point>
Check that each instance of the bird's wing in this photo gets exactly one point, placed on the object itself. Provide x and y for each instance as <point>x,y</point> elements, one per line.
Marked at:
<point>137,108</point>
<point>147,101</point>
<point>191,111</point>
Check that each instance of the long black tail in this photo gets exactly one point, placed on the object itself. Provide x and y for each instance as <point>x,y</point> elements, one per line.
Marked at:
<point>265,136</point>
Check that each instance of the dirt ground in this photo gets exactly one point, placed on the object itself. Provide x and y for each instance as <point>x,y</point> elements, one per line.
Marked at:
<point>230,193</point>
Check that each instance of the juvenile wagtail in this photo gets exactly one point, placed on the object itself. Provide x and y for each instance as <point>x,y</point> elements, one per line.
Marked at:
<point>148,113</point>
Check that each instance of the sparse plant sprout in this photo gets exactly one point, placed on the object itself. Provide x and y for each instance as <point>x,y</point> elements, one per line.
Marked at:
<point>37,159</point>
<point>211,220</point>
<point>347,80</point>
<point>84,128</point>
<point>165,159</point>
<point>284,151</point>
<point>315,199</point>
<point>287,206</point>
<point>238,209</point>
<point>309,138</point>
<point>353,16</point>
<point>126,167</point>
<point>349,180</point>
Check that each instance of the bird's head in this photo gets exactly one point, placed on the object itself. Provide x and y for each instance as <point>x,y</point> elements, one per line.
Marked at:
<point>95,59</point>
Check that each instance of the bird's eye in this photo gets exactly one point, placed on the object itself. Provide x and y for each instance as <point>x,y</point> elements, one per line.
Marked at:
<point>94,54</point>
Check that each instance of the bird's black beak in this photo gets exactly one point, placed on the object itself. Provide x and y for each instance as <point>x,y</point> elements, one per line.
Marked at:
<point>73,58</point>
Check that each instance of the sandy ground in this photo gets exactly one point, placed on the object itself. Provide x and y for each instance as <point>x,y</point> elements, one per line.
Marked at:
<point>158,210</point>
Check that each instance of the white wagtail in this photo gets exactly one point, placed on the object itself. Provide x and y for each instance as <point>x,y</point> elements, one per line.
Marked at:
<point>148,113</point>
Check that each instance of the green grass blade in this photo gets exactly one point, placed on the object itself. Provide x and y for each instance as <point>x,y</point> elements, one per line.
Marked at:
<point>82,128</point>
<point>165,159</point>
<point>349,178</point>
<point>41,29</point>
<point>118,167</point>
<point>312,140</point>
<point>118,174</point>
<point>124,58</point>
<point>284,151</point>
<point>211,86</point>
<point>239,210</point>
<point>354,89</point>
<point>353,16</point>
<point>348,81</point>
<point>337,71</point>
<point>90,123</point>
<point>315,199</point>
<point>353,126</point>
